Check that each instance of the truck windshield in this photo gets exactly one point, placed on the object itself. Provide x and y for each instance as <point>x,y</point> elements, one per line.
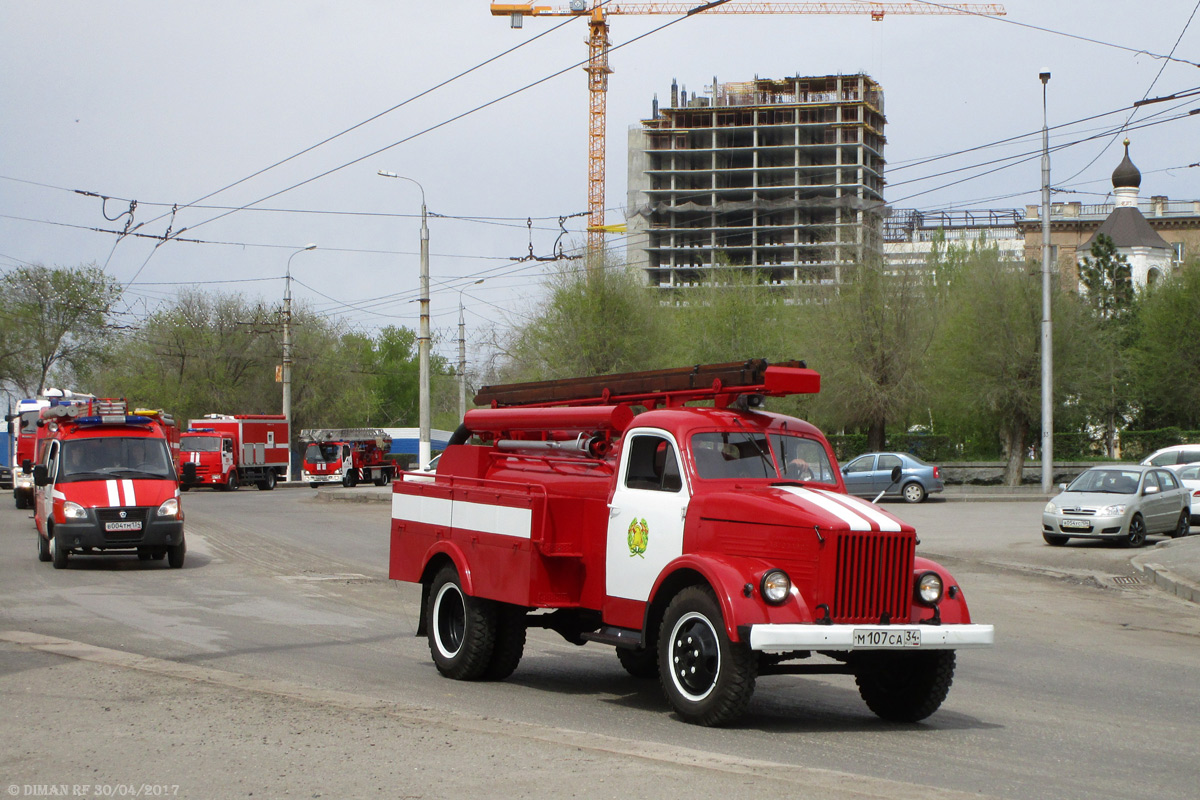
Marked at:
<point>745,454</point>
<point>320,453</point>
<point>110,457</point>
<point>200,444</point>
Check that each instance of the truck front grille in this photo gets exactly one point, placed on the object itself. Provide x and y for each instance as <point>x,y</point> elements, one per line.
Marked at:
<point>873,577</point>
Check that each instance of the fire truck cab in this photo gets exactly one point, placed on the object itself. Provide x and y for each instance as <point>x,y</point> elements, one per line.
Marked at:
<point>106,483</point>
<point>709,545</point>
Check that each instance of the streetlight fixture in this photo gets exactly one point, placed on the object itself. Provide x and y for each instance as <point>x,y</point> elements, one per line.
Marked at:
<point>287,354</point>
<point>1047,337</point>
<point>462,354</point>
<point>423,334</point>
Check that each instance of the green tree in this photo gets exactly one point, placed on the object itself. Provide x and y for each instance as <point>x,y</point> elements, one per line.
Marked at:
<point>988,353</point>
<point>1166,365</point>
<point>56,322</point>
<point>589,324</point>
<point>1108,291</point>
<point>870,341</point>
<point>732,316</point>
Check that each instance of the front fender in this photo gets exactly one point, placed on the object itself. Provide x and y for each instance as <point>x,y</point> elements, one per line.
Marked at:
<point>728,576</point>
<point>953,608</point>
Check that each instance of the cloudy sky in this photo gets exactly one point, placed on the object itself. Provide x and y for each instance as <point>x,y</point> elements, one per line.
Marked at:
<point>265,123</point>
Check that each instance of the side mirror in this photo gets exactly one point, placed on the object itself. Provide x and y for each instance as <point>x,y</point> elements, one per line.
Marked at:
<point>1150,490</point>
<point>896,473</point>
<point>1062,487</point>
<point>26,465</point>
<point>189,472</point>
<point>41,476</point>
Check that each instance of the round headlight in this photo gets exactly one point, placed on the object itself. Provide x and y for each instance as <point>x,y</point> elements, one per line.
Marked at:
<point>929,588</point>
<point>775,586</point>
<point>170,508</point>
<point>74,511</point>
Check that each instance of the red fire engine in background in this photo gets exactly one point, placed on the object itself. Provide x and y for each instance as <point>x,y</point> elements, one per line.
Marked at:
<point>709,545</point>
<point>226,451</point>
<point>347,456</point>
<point>23,426</point>
<point>106,482</point>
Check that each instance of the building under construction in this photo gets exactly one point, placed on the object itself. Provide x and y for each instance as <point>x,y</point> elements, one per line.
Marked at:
<point>782,177</point>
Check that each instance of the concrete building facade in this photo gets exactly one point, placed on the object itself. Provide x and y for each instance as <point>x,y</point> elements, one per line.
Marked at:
<point>781,177</point>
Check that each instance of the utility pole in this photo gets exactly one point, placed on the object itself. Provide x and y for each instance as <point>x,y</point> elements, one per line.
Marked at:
<point>1047,333</point>
<point>287,354</point>
<point>423,337</point>
<point>462,355</point>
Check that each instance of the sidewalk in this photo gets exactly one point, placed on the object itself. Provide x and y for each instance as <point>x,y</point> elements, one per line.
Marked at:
<point>1173,565</point>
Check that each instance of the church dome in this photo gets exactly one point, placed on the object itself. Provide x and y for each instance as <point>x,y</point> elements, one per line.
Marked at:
<point>1126,175</point>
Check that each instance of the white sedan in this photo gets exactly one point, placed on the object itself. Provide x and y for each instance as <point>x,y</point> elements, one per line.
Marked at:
<point>1189,476</point>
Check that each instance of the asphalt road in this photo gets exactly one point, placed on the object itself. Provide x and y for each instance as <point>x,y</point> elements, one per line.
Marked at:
<point>281,661</point>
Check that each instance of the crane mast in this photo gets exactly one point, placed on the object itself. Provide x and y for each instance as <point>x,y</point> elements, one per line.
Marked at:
<point>598,69</point>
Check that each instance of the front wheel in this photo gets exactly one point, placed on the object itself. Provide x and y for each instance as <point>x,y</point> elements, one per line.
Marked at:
<point>1055,539</point>
<point>905,687</point>
<point>57,554</point>
<point>1183,527</point>
<point>462,628</point>
<point>43,548</point>
<point>350,479</point>
<point>913,492</point>
<point>1137,532</point>
<point>176,553</point>
<point>707,678</point>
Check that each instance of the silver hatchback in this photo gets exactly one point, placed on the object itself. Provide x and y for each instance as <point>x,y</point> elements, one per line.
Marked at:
<point>1121,502</point>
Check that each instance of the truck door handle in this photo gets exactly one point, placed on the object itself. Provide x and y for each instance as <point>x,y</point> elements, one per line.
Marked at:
<point>614,511</point>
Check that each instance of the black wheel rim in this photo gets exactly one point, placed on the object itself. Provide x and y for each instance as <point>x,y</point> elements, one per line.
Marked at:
<point>695,656</point>
<point>1137,531</point>
<point>450,620</point>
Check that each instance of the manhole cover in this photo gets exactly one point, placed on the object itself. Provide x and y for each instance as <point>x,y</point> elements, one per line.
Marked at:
<point>1126,580</point>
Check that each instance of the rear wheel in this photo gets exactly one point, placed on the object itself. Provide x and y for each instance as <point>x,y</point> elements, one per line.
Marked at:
<point>913,492</point>
<point>707,678</point>
<point>1137,532</point>
<point>462,629</point>
<point>1055,539</point>
<point>639,663</point>
<point>1183,527</point>
<point>268,481</point>
<point>384,478</point>
<point>905,687</point>
<point>510,642</point>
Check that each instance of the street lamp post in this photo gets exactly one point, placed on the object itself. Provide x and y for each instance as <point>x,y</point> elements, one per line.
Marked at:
<point>462,354</point>
<point>1047,338</point>
<point>423,334</point>
<point>287,354</point>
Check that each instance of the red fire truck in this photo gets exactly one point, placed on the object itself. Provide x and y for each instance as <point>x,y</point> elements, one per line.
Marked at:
<point>23,428</point>
<point>347,456</point>
<point>106,482</point>
<point>709,545</point>
<point>226,451</point>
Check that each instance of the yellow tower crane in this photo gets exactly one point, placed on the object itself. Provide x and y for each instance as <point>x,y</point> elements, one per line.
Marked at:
<point>598,12</point>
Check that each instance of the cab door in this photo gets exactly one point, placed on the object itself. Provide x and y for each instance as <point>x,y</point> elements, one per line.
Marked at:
<point>646,514</point>
<point>43,496</point>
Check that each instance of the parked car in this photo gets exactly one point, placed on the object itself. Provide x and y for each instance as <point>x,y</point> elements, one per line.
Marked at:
<point>871,473</point>
<point>1189,476</point>
<point>1121,502</point>
<point>1175,454</point>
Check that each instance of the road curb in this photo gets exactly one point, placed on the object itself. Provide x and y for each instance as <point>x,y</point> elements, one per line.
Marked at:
<point>1169,581</point>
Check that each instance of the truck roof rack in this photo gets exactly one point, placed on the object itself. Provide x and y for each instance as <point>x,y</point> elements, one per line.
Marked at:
<point>722,383</point>
<point>343,435</point>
